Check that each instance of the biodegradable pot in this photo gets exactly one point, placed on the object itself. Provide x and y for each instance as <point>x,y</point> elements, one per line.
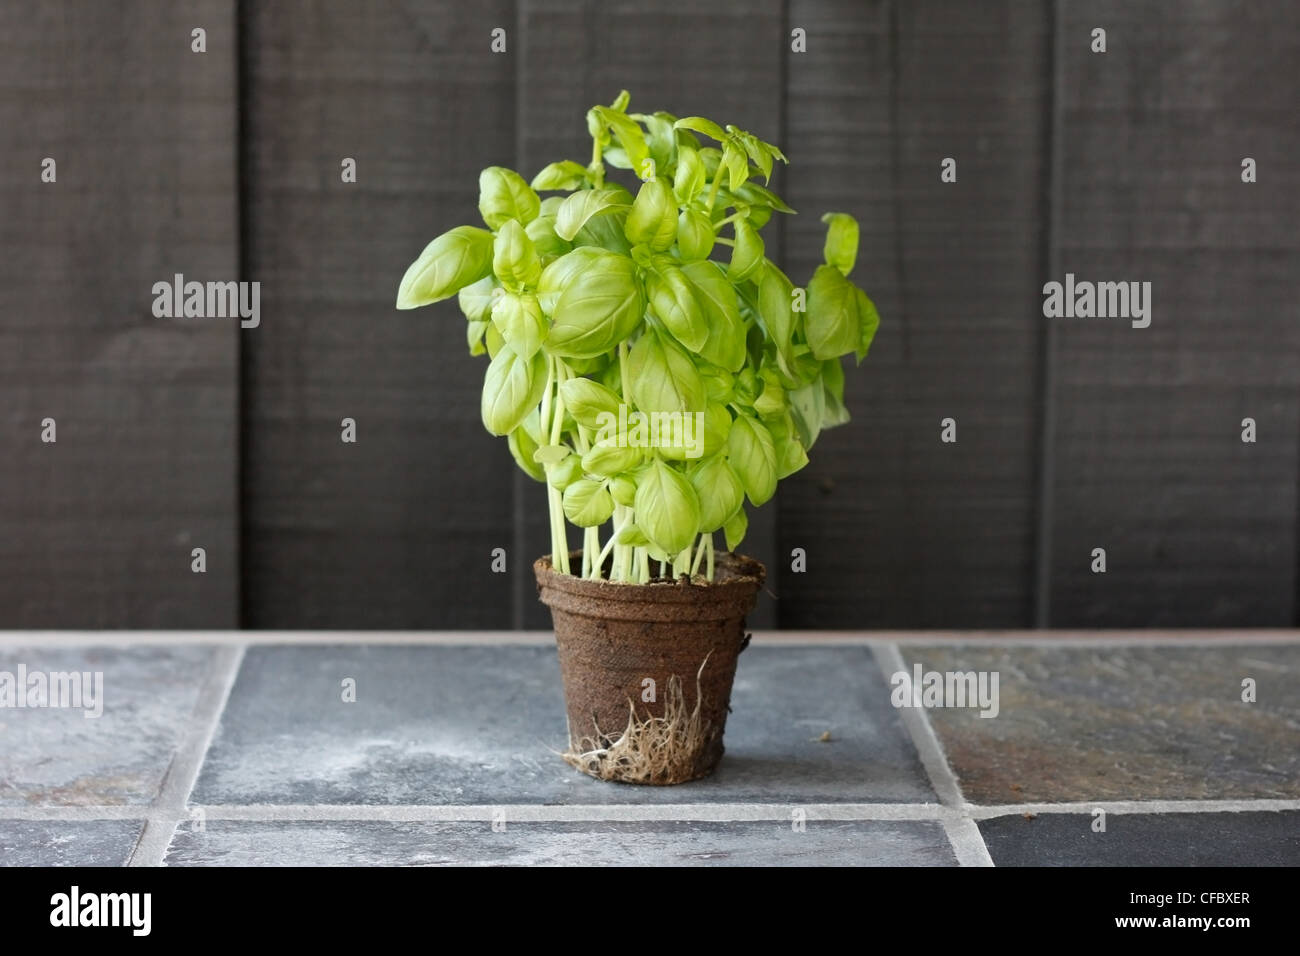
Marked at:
<point>648,668</point>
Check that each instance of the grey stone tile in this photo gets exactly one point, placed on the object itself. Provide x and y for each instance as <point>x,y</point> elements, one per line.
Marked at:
<point>484,725</point>
<point>67,842</point>
<point>823,843</point>
<point>1144,839</point>
<point>1124,723</point>
<point>59,756</point>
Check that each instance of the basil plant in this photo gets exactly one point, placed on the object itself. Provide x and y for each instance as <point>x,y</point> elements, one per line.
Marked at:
<point>648,363</point>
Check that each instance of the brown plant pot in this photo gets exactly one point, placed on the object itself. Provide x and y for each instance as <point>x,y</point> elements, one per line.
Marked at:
<point>648,668</point>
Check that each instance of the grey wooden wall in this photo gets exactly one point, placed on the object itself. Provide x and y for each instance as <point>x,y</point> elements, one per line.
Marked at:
<point>1071,434</point>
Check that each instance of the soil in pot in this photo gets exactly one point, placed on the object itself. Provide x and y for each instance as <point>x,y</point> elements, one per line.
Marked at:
<point>648,668</point>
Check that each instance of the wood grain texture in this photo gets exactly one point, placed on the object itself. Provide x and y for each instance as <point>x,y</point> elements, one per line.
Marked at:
<point>396,530</point>
<point>900,529</point>
<point>1199,528</point>
<point>96,529</point>
<point>721,60</point>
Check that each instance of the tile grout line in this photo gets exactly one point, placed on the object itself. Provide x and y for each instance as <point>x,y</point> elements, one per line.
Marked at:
<point>711,812</point>
<point>963,832</point>
<point>169,806</point>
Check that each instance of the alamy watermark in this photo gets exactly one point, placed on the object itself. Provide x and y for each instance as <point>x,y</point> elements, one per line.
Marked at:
<point>684,430</point>
<point>81,690</point>
<point>179,299</point>
<point>1101,300</point>
<point>923,688</point>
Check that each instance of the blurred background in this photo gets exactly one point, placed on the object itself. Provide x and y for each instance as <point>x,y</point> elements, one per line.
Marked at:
<point>1072,434</point>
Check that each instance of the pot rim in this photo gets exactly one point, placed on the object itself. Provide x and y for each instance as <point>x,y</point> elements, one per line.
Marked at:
<point>746,576</point>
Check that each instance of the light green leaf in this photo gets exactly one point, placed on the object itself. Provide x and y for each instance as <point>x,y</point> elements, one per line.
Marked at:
<point>695,235</point>
<point>454,260</point>
<point>753,456</point>
<point>514,259</point>
<point>870,321</point>
<point>653,218</point>
<point>747,256</point>
<point>600,306</point>
<point>523,447</point>
<point>689,178</point>
<point>581,206</point>
<point>591,404</point>
<point>476,299</point>
<point>667,508</point>
<point>701,125</point>
<point>565,174</point>
<point>608,458</point>
<point>776,315</point>
<point>725,345</point>
<point>549,246</point>
<point>556,276</point>
<point>520,321</point>
<point>808,409</point>
<point>841,248</point>
<point>672,299</point>
<point>720,491</point>
<point>503,195</point>
<point>664,379</point>
<point>832,324</point>
<point>511,388</point>
<point>623,490</point>
<point>587,503</point>
<point>566,472</point>
<point>735,529</point>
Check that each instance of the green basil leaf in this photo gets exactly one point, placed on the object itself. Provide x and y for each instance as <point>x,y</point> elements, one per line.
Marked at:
<point>477,298</point>
<point>667,508</point>
<point>552,454</point>
<point>474,332</point>
<point>776,315</point>
<point>689,177</point>
<point>587,503</point>
<point>808,409</point>
<point>832,325</point>
<point>523,447</point>
<point>757,195</point>
<point>770,402</point>
<point>455,259</point>
<point>549,246</point>
<point>664,379</point>
<point>695,235</point>
<point>565,174</point>
<point>581,206</point>
<point>492,340</point>
<point>653,218</point>
<point>725,345</point>
<point>605,232</point>
<point>735,529</point>
<point>841,241</point>
<point>591,404</point>
<point>520,321</point>
<point>672,299</point>
<point>720,491</point>
<point>600,307</point>
<point>623,490</point>
<point>701,125</point>
<point>511,389</point>
<point>790,453</point>
<point>736,165</point>
<point>514,259</point>
<point>717,426</point>
<point>629,135</point>
<point>608,458</point>
<point>870,321</point>
<point>835,412</point>
<point>566,472</point>
<point>755,149</point>
<point>719,384</point>
<point>556,276</point>
<point>747,386</point>
<point>662,141</point>
<point>753,455</point>
<point>503,195</point>
<point>747,256</point>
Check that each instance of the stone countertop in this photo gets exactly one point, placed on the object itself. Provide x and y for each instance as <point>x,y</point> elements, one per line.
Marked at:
<point>243,748</point>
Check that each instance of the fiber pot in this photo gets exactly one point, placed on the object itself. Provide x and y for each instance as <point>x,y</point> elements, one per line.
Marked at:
<point>648,668</point>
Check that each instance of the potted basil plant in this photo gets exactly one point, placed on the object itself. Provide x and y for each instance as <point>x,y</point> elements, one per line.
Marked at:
<point>655,371</point>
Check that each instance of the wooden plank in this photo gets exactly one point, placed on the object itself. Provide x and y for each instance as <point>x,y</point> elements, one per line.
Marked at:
<point>900,529</point>
<point>1199,528</point>
<point>395,530</point>
<point>96,529</point>
<point>721,60</point>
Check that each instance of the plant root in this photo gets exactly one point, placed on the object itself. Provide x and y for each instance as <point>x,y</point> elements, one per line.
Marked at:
<point>657,750</point>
